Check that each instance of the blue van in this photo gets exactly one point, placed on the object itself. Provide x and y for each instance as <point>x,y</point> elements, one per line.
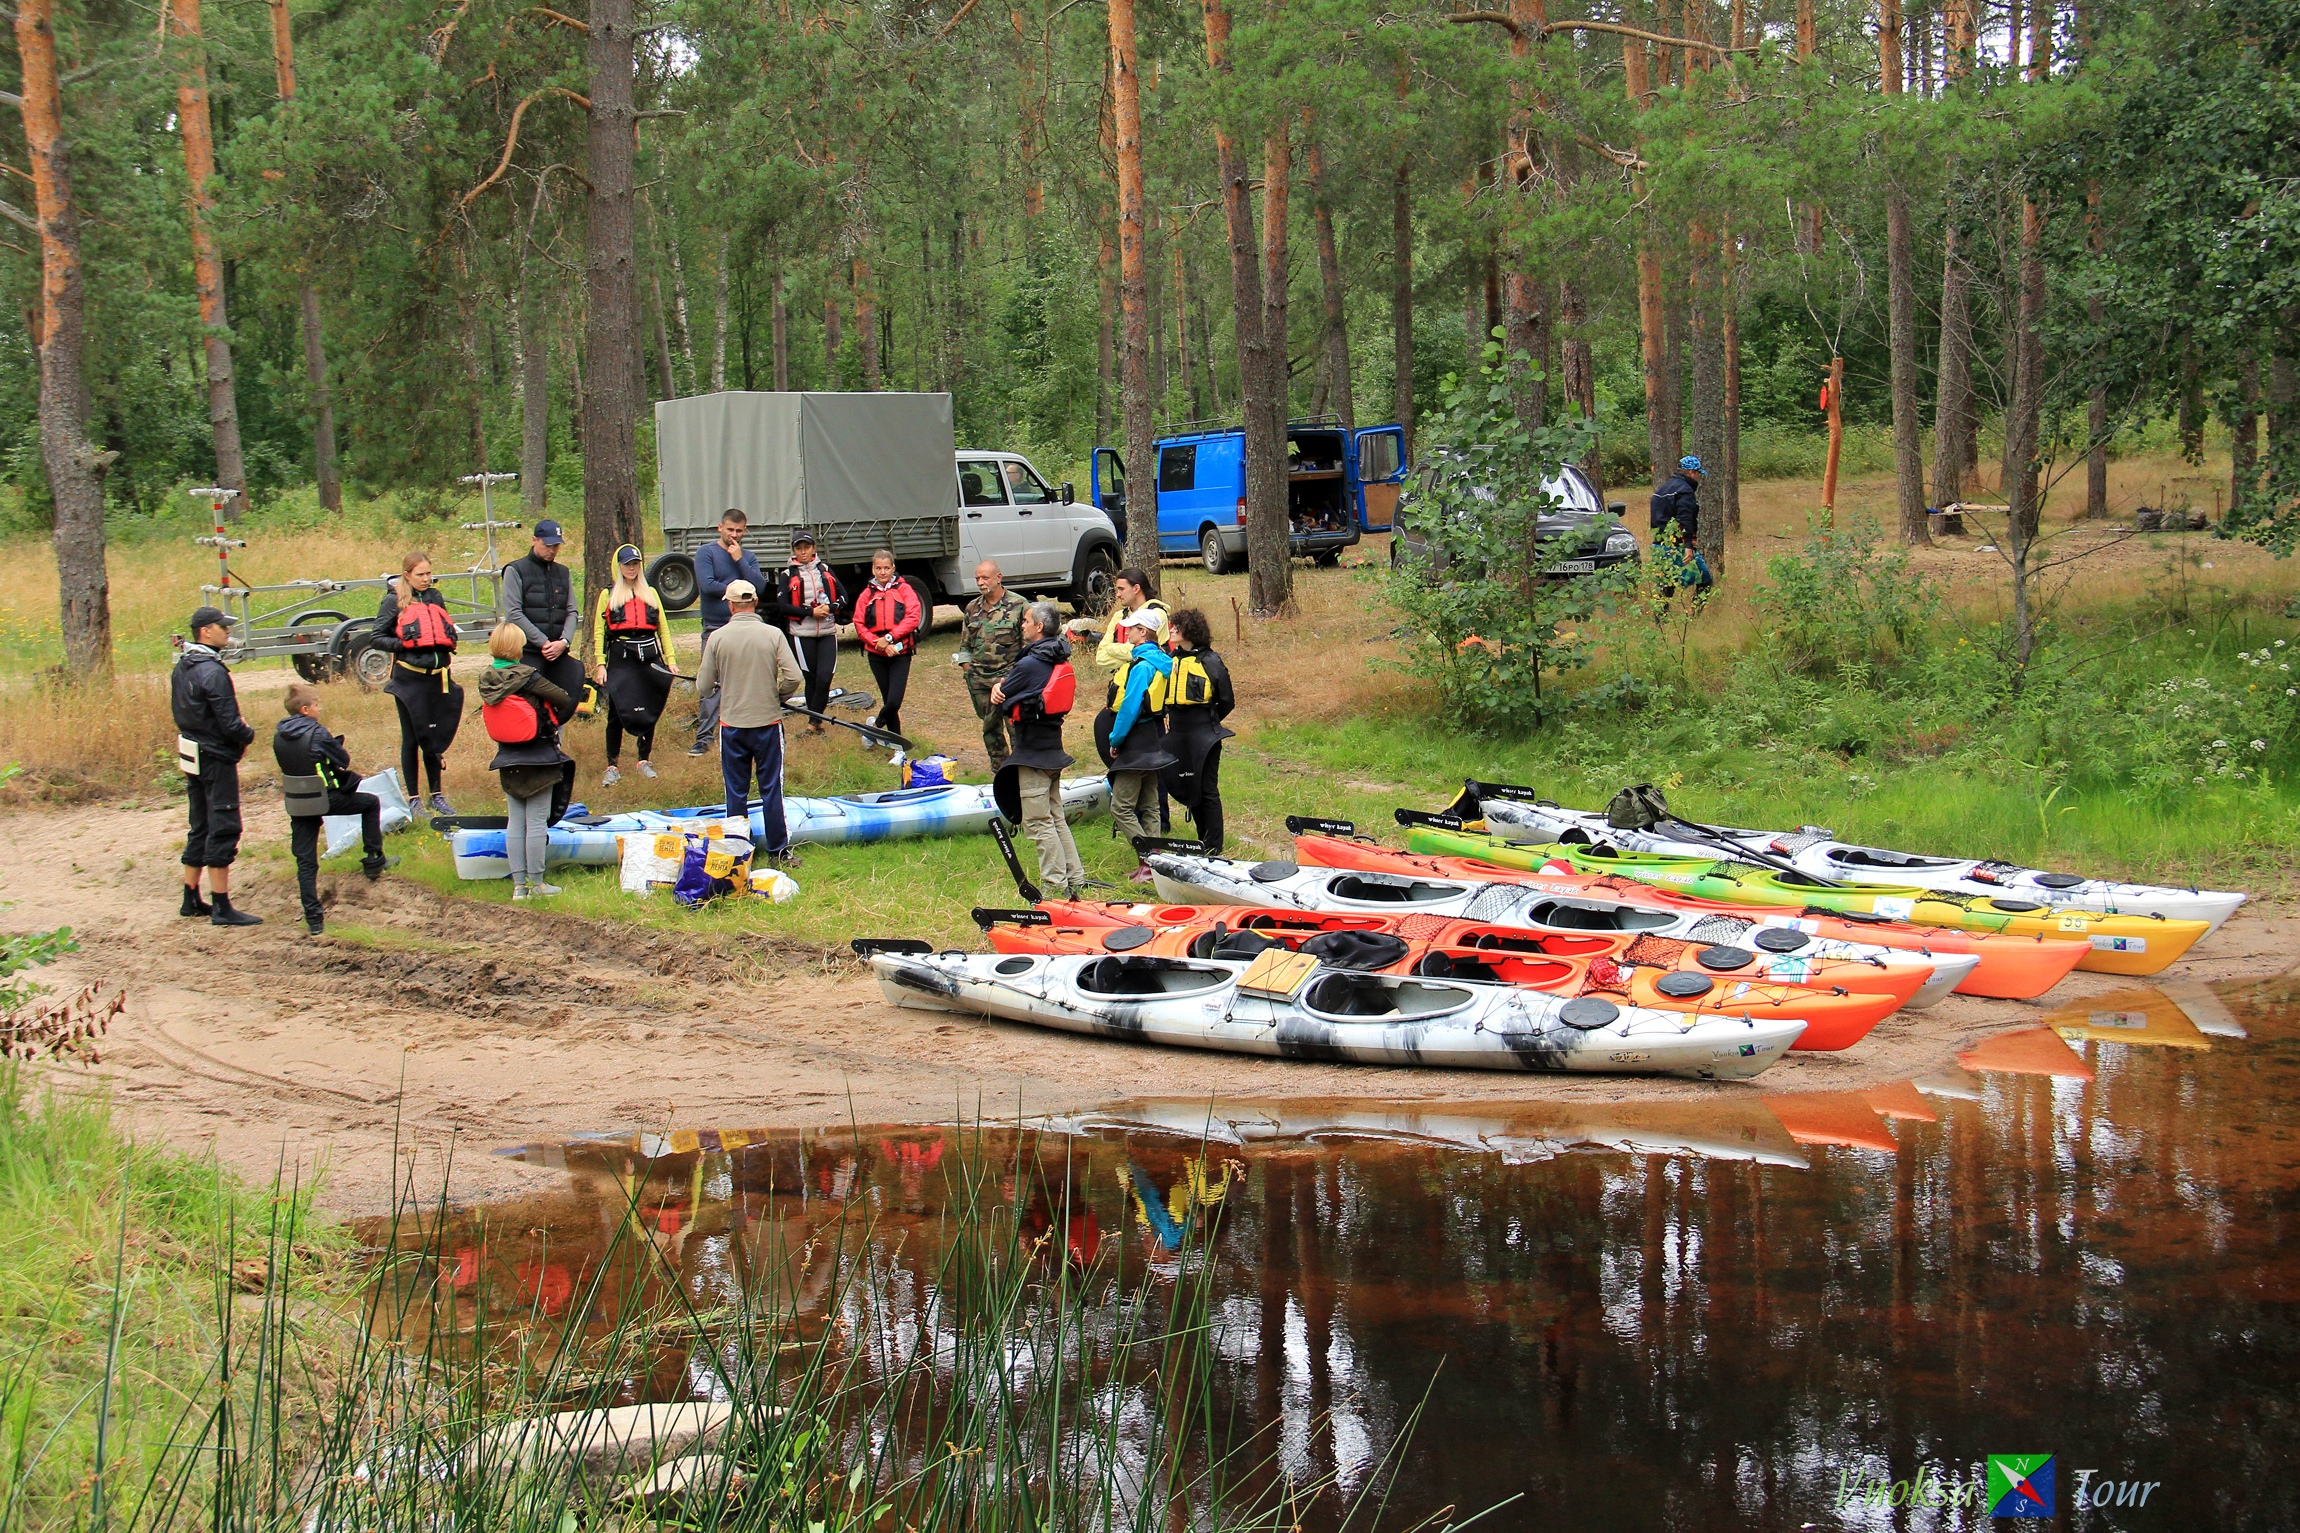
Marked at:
<point>1339,485</point>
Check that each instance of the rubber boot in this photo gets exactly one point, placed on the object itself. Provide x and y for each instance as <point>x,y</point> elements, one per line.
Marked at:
<point>222,914</point>
<point>193,905</point>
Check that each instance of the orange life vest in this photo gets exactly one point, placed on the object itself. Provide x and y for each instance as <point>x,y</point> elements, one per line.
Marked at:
<point>425,626</point>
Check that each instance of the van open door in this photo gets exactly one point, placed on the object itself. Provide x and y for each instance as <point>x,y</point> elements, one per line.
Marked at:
<point>1380,453</point>
<point>1106,483</point>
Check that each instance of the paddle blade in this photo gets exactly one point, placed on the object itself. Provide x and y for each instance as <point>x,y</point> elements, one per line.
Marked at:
<point>986,918</point>
<point>1311,825</point>
<point>1022,885</point>
<point>1423,817</point>
<point>1145,845</point>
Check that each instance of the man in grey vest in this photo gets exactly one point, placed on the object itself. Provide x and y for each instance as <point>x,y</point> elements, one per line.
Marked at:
<point>539,596</point>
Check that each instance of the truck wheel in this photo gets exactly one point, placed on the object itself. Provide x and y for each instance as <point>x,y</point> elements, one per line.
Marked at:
<point>673,577</point>
<point>1097,584</point>
<point>1211,552</point>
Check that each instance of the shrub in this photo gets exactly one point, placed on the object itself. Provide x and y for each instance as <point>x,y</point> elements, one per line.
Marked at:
<point>1846,599</point>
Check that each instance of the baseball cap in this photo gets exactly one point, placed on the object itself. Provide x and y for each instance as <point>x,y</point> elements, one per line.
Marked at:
<point>1691,462</point>
<point>1150,618</point>
<point>627,554</point>
<point>208,617</point>
<point>742,590</point>
<point>548,531</point>
<point>802,539</point>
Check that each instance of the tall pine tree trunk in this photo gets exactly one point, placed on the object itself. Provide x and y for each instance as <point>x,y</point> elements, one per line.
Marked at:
<point>1729,448</point>
<point>866,322</point>
<point>719,319</point>
<point>1269,530</point>
<point>314,350</point>
<point>70,460</point>
<point>198,130</point>
<point>1901,307</point>
<point>1705,322</point>
<point>611,513</point>
<point>534,375</point>
<point>1580,373</point>
<point>1953,410</point>
<point>1133,296</point>
<point>779,325</point>
<point>1265,445</point>
<point>1337,336</point>
<point>1402,294</point>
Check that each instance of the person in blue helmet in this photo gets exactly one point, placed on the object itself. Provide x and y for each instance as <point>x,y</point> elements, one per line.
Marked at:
<point>1677,520</point>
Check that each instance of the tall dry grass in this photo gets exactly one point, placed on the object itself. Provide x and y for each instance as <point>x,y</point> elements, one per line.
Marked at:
<point>108,739</point>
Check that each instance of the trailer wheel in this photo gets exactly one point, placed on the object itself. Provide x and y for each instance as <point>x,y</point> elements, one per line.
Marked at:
<point>673,577</point>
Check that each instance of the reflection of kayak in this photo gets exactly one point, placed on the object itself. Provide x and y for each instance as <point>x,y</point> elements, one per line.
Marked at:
<point>964,809</point>
<point>1287,1006</point>
<point>1658,972</point>
<point>2007,968</point>
<point>1729,1128</point>
<point>2121,944</point>
<point>1815,852</point>
<point>1187,879</point>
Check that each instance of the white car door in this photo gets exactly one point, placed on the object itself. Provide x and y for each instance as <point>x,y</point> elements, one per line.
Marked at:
<point>987,525</point>
<point>1042,525</point>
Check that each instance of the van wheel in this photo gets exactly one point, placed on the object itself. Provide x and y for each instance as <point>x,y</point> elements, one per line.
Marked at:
<point>673,577</point>
<point>1211,551</point>
<point>1097,584</point>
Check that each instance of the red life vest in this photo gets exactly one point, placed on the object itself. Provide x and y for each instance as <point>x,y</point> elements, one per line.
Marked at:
<point>631,617</point>
<point>1057,697</point>
<point>425,626</point>
<point>516,720</point>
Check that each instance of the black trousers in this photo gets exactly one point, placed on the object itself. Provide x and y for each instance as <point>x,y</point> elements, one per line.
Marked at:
<point>642,734</point>
<point>818,657</point>
<point>892,673</point>
<point>565,673</point>
<point>304,832</point>
<point>1206,806</point>
<point>411,748</point>
<point>213,798</point>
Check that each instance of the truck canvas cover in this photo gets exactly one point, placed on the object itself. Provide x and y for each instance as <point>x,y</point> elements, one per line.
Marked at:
<point>790,460</point>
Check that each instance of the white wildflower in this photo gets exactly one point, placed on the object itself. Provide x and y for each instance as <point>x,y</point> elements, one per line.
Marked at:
<point>2260,745</point>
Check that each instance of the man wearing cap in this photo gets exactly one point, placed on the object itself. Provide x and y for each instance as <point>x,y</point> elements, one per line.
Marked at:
<point>539,596</point>
<point>717,563</point>
<point>989,643</point>
<point>210,739</point>
<point>1677,508</point>
<point>1131,729</point>
<point>749,673</point>
<point>810,605</point>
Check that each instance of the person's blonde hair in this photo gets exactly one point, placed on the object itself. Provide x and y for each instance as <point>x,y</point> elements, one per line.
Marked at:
<point>407,563</point>
<point>299,697</point>
<point>623,590</point>
<point>507,642</point>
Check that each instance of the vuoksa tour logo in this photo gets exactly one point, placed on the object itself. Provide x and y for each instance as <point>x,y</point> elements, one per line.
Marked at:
<point>2020,1485</point>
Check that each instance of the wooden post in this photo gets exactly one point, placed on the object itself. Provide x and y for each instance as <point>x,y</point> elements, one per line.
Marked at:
<point>1832,400</point>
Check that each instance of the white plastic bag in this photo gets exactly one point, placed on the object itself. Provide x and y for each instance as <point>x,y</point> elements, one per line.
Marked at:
<point>343,829</point>
<point>651,861</point>
<point>774,884</point>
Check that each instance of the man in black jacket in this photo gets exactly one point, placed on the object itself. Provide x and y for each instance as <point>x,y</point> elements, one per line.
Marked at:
<point>210,739</point>
<point>539,596</point>
<point>1677,506</point>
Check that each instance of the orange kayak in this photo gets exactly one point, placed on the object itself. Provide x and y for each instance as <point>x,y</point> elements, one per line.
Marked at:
<point>1660,972</point>
<point>2010,968</point>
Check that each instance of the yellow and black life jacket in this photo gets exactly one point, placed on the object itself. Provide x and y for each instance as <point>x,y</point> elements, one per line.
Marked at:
<point>1153,700</point>
<point>1190,685</point>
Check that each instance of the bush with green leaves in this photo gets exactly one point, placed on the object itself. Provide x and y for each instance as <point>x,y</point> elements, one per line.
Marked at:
<point>1845,599</point>
<point>1483,625</point>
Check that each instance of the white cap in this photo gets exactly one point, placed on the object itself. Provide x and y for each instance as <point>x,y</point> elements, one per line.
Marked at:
<point>1148,617</point>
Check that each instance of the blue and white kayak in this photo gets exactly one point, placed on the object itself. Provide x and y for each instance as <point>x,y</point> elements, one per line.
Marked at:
<point>964,809</point>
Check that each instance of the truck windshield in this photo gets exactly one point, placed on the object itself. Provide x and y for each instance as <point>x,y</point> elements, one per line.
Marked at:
<point>979,483</point>
<point>1026,487</point>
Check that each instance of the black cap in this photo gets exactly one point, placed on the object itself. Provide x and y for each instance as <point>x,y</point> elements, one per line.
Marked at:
<point>548,531</point>
<point>208,617</point>
<point>802,536</point>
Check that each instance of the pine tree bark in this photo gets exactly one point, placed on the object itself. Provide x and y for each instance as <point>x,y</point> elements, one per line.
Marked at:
<point>1337,335</point>
<point>610,405</point>
<point>1705,324</point>
<point>719,319</point>
<point>779,322</point>
<point>1269,530</point>
<point>1636,67</point>
<point>1901,306</point>
<point>314,347</point>
<point>1265,445</point>
<point>1953,410</point>
<point>72,463</point>
<point>1580,373</point>
<point>1525,319</point>
<point>1402,294</point>
<point>1133,296</point>
<point>198,130</point>
<point>1729,450</point>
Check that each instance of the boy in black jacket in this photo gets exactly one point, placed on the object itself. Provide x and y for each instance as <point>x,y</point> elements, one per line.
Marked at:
<point>303,748</point>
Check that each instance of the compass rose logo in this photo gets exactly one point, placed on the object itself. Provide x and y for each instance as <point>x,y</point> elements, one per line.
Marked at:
<point>2020,1485</point>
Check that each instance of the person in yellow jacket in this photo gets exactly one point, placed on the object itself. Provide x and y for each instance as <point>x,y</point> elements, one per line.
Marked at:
<point>630,663</point>
<point>1132,588</point>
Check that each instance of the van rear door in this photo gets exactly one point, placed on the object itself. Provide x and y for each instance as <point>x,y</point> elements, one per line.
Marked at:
<point>1106,486</point>
<point>1377,474</point>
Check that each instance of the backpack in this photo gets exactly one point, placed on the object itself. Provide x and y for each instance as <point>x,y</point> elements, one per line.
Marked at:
<point>1637,808</point>
<point>424,626</point>
<point>516,720</point>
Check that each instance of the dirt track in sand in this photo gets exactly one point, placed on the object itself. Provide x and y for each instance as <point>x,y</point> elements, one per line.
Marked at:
<point>460,1029</point>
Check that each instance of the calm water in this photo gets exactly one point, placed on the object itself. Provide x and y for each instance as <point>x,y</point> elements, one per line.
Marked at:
<point>1740,1314</point>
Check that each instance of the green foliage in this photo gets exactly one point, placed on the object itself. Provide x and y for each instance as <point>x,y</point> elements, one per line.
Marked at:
<point>1483,624</point>
<point>1847,600</point>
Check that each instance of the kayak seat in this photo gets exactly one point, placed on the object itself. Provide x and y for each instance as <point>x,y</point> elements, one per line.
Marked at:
<point>1372,889</point>
<point>1231,945</point>
<point>1336,993</point>
<point>1356,950</point>
<point>1598,918</point>
<point>1138,976</point>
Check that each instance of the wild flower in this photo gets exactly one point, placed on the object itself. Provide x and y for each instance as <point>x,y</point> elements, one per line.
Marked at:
<point>2260,745</point>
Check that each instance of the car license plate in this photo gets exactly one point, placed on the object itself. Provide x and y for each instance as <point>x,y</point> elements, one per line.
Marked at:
<point>1574,567</point>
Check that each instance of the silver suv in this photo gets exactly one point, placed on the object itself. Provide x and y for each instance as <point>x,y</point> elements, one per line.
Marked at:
<point>1586,531</point>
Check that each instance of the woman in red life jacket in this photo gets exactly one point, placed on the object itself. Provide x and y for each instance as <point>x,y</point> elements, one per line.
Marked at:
<point>630,664</point>
<point>413,625</point>
<point>889,618</point>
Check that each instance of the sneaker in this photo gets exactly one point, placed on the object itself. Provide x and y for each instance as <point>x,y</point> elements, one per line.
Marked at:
<point>897,759</point>
<point>440,805</point>
<point>376,869</point>
<point>610,777</point>
<point>543,891</point>
<point>698,750</point>
<point>519,891</point>
<point>646,769</point>
<point>315,925</point>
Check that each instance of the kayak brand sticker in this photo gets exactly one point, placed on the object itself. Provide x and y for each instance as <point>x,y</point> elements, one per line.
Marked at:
<point>1792,923</point>
<point>1894,909</point>
<point>1793,970</point>
<point>2102,944</point>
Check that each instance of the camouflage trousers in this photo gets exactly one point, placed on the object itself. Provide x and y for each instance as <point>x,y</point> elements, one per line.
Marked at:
<point>993,721</point>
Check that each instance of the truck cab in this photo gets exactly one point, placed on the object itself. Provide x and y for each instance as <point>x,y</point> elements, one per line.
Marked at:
<point>1340,484</point>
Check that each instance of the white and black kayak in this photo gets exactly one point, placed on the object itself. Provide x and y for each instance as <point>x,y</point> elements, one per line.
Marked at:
<point>1287,1006</point>
<point>1812,850</point>
<point>1777,939</point>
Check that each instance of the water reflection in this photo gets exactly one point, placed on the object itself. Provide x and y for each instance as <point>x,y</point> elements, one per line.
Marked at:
<point>2077,1240</point>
